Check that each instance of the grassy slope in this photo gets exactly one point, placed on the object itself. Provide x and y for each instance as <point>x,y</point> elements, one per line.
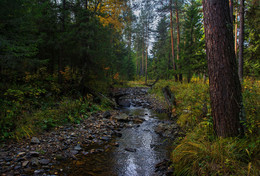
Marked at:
<point>200,152</point>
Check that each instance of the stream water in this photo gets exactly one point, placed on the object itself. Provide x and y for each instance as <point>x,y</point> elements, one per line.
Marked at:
<point>139,150</point>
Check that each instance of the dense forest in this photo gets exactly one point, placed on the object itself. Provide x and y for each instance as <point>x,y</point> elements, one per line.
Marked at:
<point>60,60</point>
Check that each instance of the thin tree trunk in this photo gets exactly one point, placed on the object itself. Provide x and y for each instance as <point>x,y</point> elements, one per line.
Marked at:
<point>172,42</point>
<point>225,88</point>
<point>146,60</point>
<point>178,38</point>
<point>60,62</point>
<point>241,42</point>
<point>236,33</point>
<point>231,10</point>
<point>142,71</point>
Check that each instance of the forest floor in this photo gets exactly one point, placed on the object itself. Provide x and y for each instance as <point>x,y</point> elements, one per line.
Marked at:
<point>40,154</point>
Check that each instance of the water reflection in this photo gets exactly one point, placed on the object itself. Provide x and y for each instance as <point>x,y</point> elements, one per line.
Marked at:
<point>118,161</point>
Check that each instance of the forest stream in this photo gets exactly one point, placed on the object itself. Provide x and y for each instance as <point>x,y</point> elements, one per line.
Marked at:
<point>136,140</point>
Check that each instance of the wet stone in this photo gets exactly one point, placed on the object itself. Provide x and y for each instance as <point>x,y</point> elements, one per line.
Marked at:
<point>130,149</point>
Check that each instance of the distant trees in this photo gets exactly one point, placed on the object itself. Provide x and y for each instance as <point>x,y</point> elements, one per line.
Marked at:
<point>85,36</point>
<point>225,89</point>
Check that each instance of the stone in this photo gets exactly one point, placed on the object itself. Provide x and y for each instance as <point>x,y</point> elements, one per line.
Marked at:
<point>77,148</point>
<point>115,144</point>
<point>106,114</point>
<point>34,154</point>
<point>25,163</point>
<point>35,140</point>
<point>44,161</point>
<point>117,134</point>
<point>17,167</point>
<point>130,149</point>
<point>74,152</point>
<point>37,172</point>
<point>124,103</point>
<point>35,162</point>
<point>105,138</point>
<point>122,117</point>
<point>21,154</point>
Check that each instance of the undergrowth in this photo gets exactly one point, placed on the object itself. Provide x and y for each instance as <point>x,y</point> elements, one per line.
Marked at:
<point>38,103</point>
<point>201,152</point>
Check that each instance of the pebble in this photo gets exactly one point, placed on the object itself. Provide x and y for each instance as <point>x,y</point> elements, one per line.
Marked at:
<point>25,163</point>
<point>34,154</point>
<point>77,148</point>
<point>35,140</point>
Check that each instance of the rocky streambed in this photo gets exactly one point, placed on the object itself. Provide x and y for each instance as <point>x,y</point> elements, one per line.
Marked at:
<point>133,140</point>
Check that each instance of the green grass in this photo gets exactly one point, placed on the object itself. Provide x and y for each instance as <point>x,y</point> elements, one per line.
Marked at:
<point>200,152</point>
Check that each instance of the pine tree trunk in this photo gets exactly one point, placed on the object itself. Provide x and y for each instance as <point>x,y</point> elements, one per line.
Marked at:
<point>172,42</point>
<point>146,60</point>
<point>178,38</point>
<point>142,70</point>
<point>231,10</point>
<point>241,42</point>
<point>236,34</point>
<point>225,89</point>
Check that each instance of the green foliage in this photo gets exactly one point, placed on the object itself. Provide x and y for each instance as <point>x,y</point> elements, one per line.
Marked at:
<point>200,152</point>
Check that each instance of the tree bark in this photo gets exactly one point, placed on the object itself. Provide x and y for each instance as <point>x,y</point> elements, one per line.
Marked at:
<point>178,37</point>
<point>236,34</point>
<point>142,71</point>
<point>241,42</point>
<point>172,41</point>
<point>225,89</point>
<point>146,61</point>
<point>231,10</point>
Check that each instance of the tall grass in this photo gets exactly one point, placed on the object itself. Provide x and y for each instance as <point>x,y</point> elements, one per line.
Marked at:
<point>201,152</point>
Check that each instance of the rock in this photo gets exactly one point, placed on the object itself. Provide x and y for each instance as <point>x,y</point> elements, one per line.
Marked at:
<point>160,129</point>
<point>34,154</point>
<point>21,154</point>
<point>118,134</point>
<point>37,172</point>
<point>164,168</point>
<point>106,114</point>
<point>138,120</point>
<point>77,148</point>
<point>35,140</point>
<point>35,162</point>
<point>25,163</point>
<point>124,103</point>
<point>115,144</point>
<point>74,152</point>
<point>105,138</point>
<point>44,161</point>
<point>122,117</point>
<point>8,159</point>
<point>130,149</point>
<point>17,167</point>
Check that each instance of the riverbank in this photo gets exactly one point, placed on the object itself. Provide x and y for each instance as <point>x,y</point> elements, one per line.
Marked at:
<point>41,154</point>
